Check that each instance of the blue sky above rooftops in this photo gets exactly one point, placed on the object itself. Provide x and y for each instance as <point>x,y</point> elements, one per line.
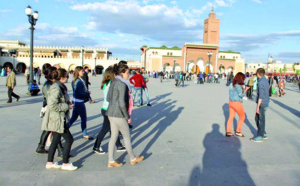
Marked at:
<point>253,27</point>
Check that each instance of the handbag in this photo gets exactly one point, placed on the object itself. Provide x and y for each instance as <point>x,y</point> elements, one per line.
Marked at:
<point>273,90</point>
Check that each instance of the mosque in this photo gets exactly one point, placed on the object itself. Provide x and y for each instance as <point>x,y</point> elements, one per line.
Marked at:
<point>195,57</point>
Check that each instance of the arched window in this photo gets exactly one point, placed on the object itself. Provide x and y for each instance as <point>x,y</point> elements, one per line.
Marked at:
<point>233,57</point>
<point>171,54</point>
<point>168,53</point>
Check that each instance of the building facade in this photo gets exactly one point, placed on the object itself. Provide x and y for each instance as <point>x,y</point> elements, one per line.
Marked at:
<point>195,57</point>
<point>17,55</point>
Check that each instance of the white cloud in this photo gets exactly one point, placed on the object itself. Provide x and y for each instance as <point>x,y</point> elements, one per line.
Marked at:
<point>248,42</point>
<point>258,1</point>
<point>5,11</point>
<point>221,3</point>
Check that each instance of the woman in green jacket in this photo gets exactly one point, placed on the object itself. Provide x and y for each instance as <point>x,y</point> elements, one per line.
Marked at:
<point>55,119</point>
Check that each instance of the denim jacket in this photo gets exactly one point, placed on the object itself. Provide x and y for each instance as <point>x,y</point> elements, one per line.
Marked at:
<point>236,93</point>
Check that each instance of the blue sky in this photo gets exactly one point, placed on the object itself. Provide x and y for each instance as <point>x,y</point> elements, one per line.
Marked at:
<point>252,27</point>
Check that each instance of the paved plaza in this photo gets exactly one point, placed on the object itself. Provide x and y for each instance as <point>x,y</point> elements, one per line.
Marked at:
<point>181,137</point>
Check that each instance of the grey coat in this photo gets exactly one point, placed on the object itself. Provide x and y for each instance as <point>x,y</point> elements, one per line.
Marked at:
<point>56,110</point>
<point>118,98</point>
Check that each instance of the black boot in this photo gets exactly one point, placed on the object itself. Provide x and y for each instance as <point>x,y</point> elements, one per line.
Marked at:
<point>41,149</point>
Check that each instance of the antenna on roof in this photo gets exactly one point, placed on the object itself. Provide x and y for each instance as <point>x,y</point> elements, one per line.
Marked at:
<point>212,8</point>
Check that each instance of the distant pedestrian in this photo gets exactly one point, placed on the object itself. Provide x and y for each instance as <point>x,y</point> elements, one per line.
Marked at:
<point>236,94</point>
<point>38,75</point>
<point>281,85</point>
<point>176,77</point>
<point>145,88</point>
<point>161,76</point>
<point>119,114</point>
<point>138,81</point>
<point>181,79</point>
<point>11,83</point>
<point>262,106</point>
<point>34,88</point>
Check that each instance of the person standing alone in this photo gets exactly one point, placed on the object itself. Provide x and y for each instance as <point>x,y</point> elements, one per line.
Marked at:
<point>11,84</point>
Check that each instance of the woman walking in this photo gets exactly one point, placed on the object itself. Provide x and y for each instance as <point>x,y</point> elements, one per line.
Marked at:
<point>281,85</point>
<point>47,71</point>
<point>236,95</point>
<point>118,112</point>
<point>56,117</point>
<point>108,77</point>
<point>80,96</point>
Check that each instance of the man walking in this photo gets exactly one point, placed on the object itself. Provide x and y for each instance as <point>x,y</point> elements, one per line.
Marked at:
<point>86,80</point>
<point>38,75</point>
<point>11,84</point>
<point>176,77</point>
<point>181,78</point>
<point>145,88</point>
<point>262,106</point>
<point>138,81</point>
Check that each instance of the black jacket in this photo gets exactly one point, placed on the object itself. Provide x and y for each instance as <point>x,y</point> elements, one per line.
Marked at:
<point>85,78</point>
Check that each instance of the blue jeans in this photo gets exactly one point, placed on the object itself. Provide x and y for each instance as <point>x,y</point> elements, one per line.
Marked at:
<point>137,91</point>
<point>147,95</point>
<point>181,81</point>
<point>79,110</point>
<point>260,120</point>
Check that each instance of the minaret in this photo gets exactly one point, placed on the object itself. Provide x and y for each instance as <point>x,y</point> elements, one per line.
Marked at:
<point>211,29</point>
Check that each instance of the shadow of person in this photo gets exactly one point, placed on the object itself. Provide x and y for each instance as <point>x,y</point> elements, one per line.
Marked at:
<point>222,162</point>
<point>284,106</point>
<point>252,129</point>
<point>226,115</point>
<point>194,179</point>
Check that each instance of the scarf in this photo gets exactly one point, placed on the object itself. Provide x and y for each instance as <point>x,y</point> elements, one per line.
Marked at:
<point>124,81</point>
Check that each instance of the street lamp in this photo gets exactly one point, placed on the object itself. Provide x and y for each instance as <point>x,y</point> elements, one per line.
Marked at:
<point>32,18</point>
<point>95,67</point>
<point>209,56</point>
<point>174,66</point>
<point>82,53</point>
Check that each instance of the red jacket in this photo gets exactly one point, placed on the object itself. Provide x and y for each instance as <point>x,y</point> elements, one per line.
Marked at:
<point>138,80</point>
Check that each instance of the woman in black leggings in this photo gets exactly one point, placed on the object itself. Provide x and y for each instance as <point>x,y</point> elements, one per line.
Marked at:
<point>55,119</point>
<point>108,77</point>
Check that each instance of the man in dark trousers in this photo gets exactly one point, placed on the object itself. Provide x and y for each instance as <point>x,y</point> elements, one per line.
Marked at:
<point>11,84</point>
<point>85,78</point>
<point>263,100</point>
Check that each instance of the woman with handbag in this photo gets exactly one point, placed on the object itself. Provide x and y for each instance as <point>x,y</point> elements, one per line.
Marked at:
<point>80,96</point>
<point>56,117</point>
<point>118,112</point>
<point>236,95</point>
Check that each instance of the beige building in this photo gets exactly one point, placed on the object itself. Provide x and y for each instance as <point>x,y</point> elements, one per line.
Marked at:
<point>194,57</point>
<point>272,67</point>
<point>17,54</point>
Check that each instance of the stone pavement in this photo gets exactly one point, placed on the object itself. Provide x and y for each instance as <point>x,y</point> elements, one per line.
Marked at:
<point>181,136</point>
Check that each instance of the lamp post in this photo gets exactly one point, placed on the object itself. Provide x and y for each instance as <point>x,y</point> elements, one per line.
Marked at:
<point>82,54</point>
<point>209,56</point>
<point>174,66</point>
<point>95,67</point>
<point>32,18</point>
<point>14,57</point>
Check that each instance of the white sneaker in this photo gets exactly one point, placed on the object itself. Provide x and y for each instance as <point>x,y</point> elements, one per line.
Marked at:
<point>53,166</point>
<point>69,167</point>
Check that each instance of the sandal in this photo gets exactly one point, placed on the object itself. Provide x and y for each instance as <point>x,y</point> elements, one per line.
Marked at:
<point>239,134</point>
<point>229,134</point>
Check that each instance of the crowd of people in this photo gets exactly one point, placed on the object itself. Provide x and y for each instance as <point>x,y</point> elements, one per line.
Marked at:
<point>119,100</point>
<point>116,110</point>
